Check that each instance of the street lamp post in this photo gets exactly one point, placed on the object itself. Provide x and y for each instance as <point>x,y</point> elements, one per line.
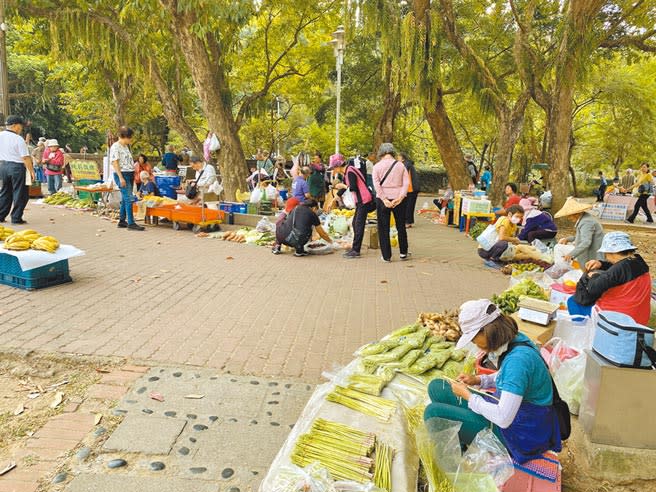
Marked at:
<point>339,44</point>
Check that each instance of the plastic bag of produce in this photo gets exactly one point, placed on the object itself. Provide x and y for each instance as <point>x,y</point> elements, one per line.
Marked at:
<point>395,354</point>
<point>356,487</point>
<point>575,331</point>
<point>560,252</point>
<point>377,348</point>
<point>568,376</point>
<point>340,225</point>
<point>312,478</point>
<point>256,196</point>
<point>265,225</point>
<point>485,456</point>
<point>488,237</point>
<point>439,450</point>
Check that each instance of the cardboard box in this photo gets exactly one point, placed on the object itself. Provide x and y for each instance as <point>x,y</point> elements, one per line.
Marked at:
<point>618,403</point>
<point>538,334</point>
<point>371,237</point>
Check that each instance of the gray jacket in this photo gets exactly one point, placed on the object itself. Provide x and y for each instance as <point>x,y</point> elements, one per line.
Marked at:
<point>587,241</point>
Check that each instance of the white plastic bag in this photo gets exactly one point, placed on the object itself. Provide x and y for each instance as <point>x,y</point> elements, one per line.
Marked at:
<point>340,225</point>
<point>312,478</point>
<point>265,225</point>
<point>575,331</point>
<point>348,200</point>
<point>486,455</point>
<point>256,196</point>
<point>271,192</point>
<point>560,251</point>
<point>214,143</point>
<point>509,253</point>
<point>488,237</point>
<point>569,381</point>
<point>540,246</point>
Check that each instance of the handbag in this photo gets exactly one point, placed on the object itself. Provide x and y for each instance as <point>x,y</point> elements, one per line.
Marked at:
<point>349,201</point>
<point>622,342</point>
<point>488,237</point>
<point>388,172</point>
<point>191,191</point>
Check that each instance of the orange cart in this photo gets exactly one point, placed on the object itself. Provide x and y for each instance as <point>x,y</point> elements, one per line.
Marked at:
<point>199,218</point>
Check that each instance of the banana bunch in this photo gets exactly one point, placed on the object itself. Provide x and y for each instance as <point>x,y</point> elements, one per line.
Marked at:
<point>344,213</point>
<point>21,241</point>
<point>5,232</point>
<point>59,198</point>
<point>46,243</point>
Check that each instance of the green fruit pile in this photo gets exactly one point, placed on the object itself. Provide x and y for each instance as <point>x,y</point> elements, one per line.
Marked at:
<point>508,301</point>
<point>519,268</point>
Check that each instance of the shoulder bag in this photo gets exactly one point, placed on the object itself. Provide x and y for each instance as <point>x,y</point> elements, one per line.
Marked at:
<point>388,172</point>
<point>191,191</point>
<point>560,406</point>
<point>294,237</point>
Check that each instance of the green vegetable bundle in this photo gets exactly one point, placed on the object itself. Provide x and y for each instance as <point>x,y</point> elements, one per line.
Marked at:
<point>508,301</point>
<point>383,466</point>
<point>344,451</point>
<point>395,354</point>
<point>375,406</point>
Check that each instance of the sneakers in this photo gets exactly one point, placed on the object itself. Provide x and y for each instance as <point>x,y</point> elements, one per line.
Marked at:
<point>122,224</point>
<point>405,256</point>
<point>276,250</point>
<point>18,222</point>
<point>351,254</point>
<point>136,227</point>
<point>386,261</point>
<point>304,253</point>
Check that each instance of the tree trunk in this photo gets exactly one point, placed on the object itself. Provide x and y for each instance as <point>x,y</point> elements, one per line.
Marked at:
<point>208,76</point>
<point>384,131</point>
<point>510,127</point>
<point>447,144</point>
<point>173,112</point>
<point>572,174</point>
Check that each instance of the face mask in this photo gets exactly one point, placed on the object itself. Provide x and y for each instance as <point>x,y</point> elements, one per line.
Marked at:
<point>515,220</point>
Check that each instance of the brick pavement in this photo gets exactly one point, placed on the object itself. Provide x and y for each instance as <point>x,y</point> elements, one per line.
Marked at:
<point>168,297</point>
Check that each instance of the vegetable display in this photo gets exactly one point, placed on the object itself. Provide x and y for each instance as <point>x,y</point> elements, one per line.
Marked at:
<point>30,239</point>
<point>477,230</point>
<point>508,301</point>
<point>5,232</point>
<point>443,324</point>
<point>520,268</point>
<point>63,198</point>
<point>375,406</point>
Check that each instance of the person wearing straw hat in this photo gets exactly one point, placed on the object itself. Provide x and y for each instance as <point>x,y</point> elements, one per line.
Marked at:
<point>621,283</point>
<point>53,163</point>
<point>522,406</point>
<point>589,233</point>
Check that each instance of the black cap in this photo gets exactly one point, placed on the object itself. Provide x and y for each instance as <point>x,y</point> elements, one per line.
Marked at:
<point>195,158</point>
<point>14,120</point>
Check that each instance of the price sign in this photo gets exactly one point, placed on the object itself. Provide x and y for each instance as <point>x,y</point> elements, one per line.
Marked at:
<point>84,170</point>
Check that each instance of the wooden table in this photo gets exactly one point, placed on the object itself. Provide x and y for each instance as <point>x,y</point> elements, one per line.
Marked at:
<point>479,215</point>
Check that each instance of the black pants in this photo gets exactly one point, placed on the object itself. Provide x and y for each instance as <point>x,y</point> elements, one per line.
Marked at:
<point>359,223</point>
<point>14,190</point>
<point>411,203</point>
<point>540,234</point>
<point>601,192</point>
<point>640,204</point>
<point>384,215</point>
<point>495,251</point>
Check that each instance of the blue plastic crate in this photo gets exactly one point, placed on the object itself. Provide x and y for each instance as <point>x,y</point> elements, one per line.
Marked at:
<point>167,185</point>
<point>38,278</point>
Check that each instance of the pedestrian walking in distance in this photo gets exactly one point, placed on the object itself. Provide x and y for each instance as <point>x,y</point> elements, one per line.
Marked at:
<point>15,163</point>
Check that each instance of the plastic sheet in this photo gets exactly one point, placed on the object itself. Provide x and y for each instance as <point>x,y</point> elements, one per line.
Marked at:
<point>312,478</point>
<point>575,331</point>
<point>406,463</point>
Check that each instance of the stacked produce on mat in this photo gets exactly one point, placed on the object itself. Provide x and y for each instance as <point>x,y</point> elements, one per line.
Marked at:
<point>5,232</point>
<point>30,239</point>
<point>63,198</point>
<point>508,300</point>
<point>443,324</point>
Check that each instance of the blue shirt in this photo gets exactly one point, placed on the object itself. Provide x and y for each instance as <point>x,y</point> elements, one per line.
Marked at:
<point>486,178</point>
<point>300,188</point>
<point>170,161</point>
<point>149,189</point>
<point>524,373</point>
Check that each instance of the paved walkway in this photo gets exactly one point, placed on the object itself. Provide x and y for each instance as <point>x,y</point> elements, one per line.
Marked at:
<point>169,297</point>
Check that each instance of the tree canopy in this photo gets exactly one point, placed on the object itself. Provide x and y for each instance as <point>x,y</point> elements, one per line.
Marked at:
<point>511,82</point>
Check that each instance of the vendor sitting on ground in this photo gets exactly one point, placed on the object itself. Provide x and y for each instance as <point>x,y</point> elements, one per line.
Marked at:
<point>589,232</point>
<point>148,186</point>
<point>537,225</point>
<point>444,200</point>
<point>522,410</point>
<point>296,230</point>
<point>291,204</point>
<point>621,283</point>
<point>507,230</point>
<point>512,198</point>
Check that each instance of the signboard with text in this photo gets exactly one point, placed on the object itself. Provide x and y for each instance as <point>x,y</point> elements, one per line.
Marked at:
<point>84,170</point>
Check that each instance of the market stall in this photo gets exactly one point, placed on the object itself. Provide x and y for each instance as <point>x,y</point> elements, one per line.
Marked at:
<point>629,201</point>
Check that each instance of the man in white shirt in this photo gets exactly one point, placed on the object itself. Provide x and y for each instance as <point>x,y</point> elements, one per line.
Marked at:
<point>15,162</point>
<point>121,160</point>
<point>205,177</point>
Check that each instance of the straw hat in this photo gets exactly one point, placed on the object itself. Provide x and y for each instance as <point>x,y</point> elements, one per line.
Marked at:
<point>571,207</point>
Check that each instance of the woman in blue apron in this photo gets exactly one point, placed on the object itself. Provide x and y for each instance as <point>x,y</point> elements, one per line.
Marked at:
<point>522,408</point>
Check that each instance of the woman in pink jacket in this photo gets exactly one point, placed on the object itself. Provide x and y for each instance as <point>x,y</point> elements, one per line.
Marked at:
<point>53,164</point>
<point>391,181</point>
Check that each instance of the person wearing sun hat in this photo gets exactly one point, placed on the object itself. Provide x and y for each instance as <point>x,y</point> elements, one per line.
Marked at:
<point>522,409</point>
<point>589,232</point>
<point>621,283</point>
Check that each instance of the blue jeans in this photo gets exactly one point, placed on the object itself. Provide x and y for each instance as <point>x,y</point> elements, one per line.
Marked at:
<point>54,183</point>
<point>126,196</point>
